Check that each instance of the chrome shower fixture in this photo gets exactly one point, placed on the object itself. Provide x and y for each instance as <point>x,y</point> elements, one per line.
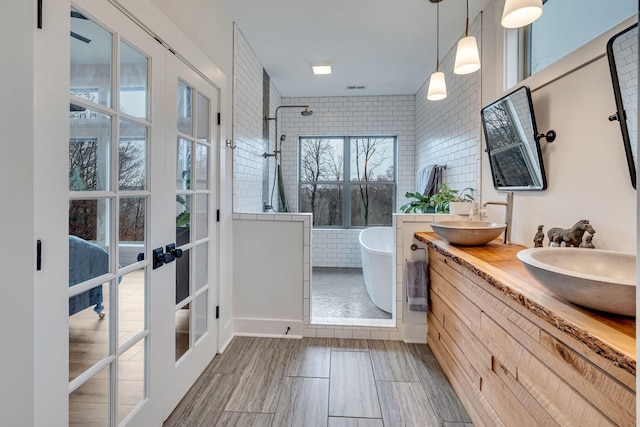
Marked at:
<point>306,112</point>
<point>283,138</point>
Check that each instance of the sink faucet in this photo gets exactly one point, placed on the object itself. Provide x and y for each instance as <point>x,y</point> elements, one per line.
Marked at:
<point>508,216</point>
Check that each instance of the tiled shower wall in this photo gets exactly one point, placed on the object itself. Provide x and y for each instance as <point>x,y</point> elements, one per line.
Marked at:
<point>248,118</point>
<point>347,116</point>
<point>448,131</point>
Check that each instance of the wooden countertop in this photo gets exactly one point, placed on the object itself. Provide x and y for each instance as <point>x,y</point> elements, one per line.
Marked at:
<point>611,336</point>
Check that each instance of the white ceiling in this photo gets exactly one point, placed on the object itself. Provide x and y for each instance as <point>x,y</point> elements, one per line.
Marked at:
<point>389,46</point>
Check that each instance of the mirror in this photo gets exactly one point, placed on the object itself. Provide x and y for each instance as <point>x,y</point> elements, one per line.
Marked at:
<point>513,142</point>
<point>622,51</point>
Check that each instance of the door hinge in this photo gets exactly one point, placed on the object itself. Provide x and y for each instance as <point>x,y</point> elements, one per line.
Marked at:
<point>219,118</point>
<point>39,14</point>
<point>218,215</point>
<point>217,311</point>
<point>38,255</point>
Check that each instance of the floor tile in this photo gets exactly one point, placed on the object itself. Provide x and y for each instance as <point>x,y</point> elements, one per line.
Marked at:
<point>244,419</point>
<point>405,404</point>
<point>260,383</point>
<point>310,358</point>
<point>392,361</point>
<point>355,422</point>
<point>303,402</point>
<point>353,388</point>
<point>342,344</point>
<point>445,402</point>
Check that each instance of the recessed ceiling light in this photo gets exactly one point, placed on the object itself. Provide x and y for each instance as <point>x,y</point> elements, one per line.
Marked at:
<point>323,68</point>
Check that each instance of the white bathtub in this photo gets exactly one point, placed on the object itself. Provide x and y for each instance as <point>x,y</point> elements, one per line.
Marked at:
<point>376,250</point>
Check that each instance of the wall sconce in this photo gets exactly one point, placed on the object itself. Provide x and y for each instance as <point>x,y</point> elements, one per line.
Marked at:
<point>467,56</point>
<point>518,13</point>
<point>437,85</point>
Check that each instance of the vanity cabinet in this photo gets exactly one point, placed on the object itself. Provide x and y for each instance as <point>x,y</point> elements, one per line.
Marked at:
<point>519,356</point>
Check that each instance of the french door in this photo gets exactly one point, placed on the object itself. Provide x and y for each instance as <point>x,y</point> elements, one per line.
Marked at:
<point>141,237</point>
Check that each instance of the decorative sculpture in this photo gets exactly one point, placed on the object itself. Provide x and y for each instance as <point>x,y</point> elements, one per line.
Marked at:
<point>539,237</point>
<point>571,236</point>
<point>587,242</point>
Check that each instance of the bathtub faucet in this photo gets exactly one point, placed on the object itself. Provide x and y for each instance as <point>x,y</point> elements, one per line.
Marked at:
<point>508,216</point>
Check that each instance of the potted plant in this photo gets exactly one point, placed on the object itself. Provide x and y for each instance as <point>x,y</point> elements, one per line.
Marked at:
<point>421,204</point>
<point>457,202</point>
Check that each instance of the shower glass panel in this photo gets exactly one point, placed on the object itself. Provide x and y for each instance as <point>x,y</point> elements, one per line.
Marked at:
<point>185,118</point>
<point>133,82</point>
<point>91,48</point>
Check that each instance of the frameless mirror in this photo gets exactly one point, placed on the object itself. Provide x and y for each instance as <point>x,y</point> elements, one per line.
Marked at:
<point>622,51</point>
<point>513,142</point>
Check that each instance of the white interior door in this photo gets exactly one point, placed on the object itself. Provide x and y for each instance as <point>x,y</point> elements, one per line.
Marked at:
<point>117,204</point>
<point>192,146</point>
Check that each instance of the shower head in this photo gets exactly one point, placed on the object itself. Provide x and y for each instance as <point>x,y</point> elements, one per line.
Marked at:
<point>283,137</point>
<point>306,112</point>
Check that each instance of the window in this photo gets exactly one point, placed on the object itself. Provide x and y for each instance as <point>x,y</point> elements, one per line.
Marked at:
<point>347,181</point>
<point>567,25</point>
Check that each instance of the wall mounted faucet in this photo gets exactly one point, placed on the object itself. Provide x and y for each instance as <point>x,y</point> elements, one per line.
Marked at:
<point>508,216</point>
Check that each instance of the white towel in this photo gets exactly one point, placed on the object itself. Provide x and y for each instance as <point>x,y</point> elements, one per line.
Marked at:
<point>416,285</point>
<point>424,179</point>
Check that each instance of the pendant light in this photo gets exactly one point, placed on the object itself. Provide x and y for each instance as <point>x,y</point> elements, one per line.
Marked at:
<point>467,56</point>
<point>518,13</point>
<point>437,86</point>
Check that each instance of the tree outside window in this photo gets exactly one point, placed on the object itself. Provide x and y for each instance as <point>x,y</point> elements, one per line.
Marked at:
<point>366,198</point>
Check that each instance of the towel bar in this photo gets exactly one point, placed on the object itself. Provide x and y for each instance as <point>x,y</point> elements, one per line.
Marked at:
<point>415,247</point>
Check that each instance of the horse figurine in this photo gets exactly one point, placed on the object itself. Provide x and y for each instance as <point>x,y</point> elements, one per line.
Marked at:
<point>571,236</point>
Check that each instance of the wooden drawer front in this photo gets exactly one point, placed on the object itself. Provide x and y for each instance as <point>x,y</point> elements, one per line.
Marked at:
<point>608,393</point>
<point>465,349</point>
<point>559,399</point>
<point>492,347</point>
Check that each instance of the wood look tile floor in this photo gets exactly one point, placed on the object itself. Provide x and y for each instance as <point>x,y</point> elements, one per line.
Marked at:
<point>314,382</point>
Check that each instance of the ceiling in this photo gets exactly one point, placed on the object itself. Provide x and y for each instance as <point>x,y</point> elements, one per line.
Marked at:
<point>388,46</point>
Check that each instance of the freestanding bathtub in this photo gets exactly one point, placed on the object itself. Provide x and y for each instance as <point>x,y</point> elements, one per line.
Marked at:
<point>376,251</point>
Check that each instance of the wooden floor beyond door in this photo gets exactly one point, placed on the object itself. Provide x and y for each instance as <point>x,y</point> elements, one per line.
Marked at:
<point>321,382</point>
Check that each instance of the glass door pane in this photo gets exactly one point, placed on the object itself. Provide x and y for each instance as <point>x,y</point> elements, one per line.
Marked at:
<point>108,225</point>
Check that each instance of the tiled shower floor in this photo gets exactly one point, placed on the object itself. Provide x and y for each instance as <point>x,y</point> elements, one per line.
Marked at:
<point>340,293</point>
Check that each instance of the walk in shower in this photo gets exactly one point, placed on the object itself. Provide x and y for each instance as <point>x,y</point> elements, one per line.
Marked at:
<point>276,154</point>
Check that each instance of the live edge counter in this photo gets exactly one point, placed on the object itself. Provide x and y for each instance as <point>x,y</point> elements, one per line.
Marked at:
<point>516,354</point>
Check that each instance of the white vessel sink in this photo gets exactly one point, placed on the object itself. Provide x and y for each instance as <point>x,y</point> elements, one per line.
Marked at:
<point>468,233</point>
<point>593,278</point>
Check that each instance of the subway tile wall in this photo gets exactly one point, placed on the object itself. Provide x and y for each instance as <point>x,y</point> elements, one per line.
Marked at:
<point>248,116</point>
<point>448,132</point>
<point>351,116</point>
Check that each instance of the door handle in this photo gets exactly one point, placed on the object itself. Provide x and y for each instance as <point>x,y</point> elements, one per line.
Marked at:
<point>175,252</point>
<point>158,258</point>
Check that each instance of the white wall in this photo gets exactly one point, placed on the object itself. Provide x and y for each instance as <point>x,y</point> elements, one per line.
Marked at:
<point>270,273</point>
<point>586,166</point>
<point>16,216</point>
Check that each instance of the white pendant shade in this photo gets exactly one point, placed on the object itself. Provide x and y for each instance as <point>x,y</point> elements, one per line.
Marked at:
<point>437,87</point>
<point>518,13</point>
<point>467,56</point>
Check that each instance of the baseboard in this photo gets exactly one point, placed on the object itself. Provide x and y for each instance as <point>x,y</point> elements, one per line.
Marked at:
<point>415,334</point>
<point>267,328</point>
